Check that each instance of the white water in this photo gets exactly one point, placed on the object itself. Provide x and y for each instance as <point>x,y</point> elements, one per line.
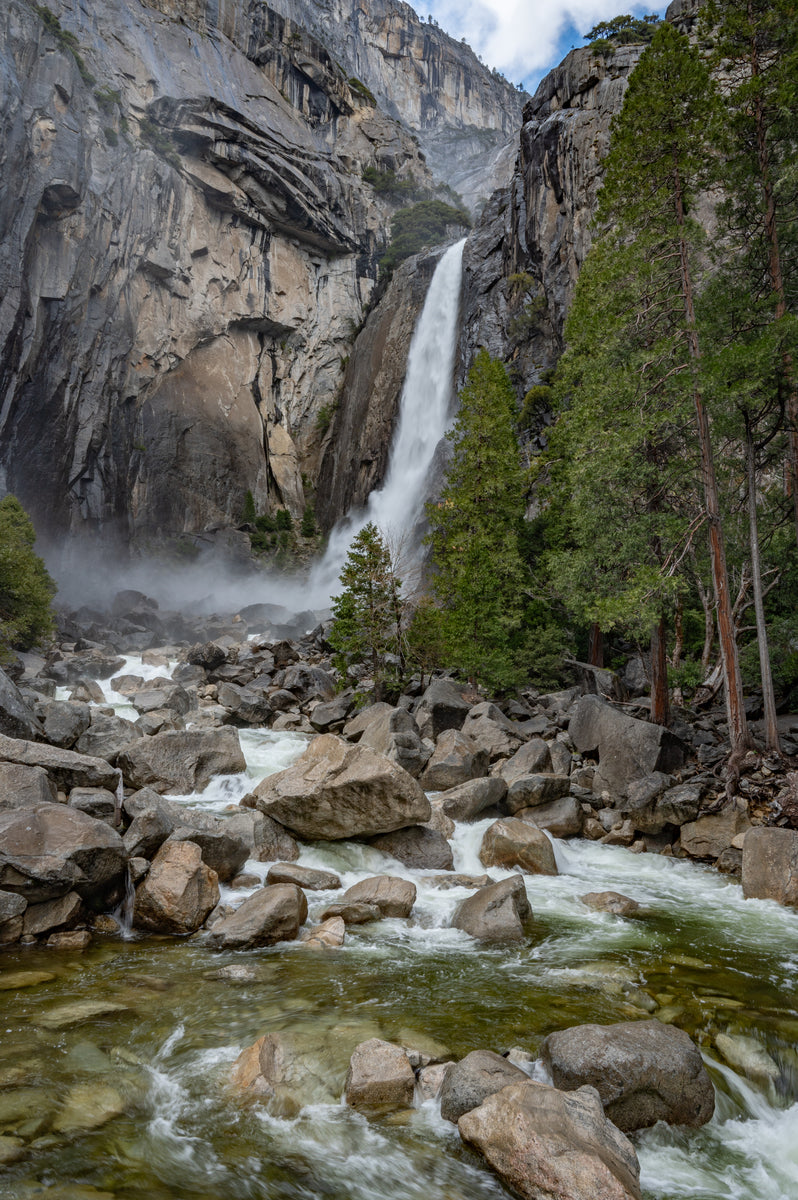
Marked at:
<point>424,414</point>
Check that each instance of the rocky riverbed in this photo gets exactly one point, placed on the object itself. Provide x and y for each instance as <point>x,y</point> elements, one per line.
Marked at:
<point>442,877</point>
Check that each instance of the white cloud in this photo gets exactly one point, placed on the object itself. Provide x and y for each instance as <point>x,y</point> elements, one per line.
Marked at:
<point>522,37</point>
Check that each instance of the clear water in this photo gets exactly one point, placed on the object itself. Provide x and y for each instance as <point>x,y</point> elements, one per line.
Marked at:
<point>699,956</point>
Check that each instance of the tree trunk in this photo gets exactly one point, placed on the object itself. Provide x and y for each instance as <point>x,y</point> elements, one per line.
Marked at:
<point>595,655</point>
<point>769,699</point>
<point>678,623</point>
<point>709,624</point>
<point>660,706</point>
<point>735,709</point>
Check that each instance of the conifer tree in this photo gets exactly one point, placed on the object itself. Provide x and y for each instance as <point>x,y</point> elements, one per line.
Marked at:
<point>26,589</point>
<point>367,615</point>
<point>474,526</point>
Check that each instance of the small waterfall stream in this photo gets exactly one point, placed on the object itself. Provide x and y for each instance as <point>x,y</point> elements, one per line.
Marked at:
<point>424,413</point>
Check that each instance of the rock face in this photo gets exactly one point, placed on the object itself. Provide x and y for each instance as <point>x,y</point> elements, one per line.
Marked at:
<point>336,790</point>
<point>50,849</point>
<point>770,865</point>
<point>548,1144</point>
<point>644,1072</point>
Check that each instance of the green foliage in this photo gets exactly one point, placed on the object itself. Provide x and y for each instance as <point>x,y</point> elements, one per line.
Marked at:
<point>111,136</point>
<point>26,589</point>
<point>367,615</point>
<point>360,89</point>
<point>423,224</point>
<point>107,98</point>
<point>474,531</point>
<point>623,30</point>
<point>538,403</point>
<point>308,525</point>
<point>388,183</point>
<point>325,415</point>
<point>159,141</point>
<point>248,512</point>
<point>282,520</point>
<point>66,41</point>
<point>426,649</point>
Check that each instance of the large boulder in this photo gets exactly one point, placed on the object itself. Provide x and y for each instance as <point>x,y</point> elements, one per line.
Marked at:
<point>561,818</point>
<point>51,849</point>
<point>152,824</point>
<point>455,761</point>
<point>66,768</point>
<point>627,749</point>
<point>16,719</point>
<point>222,851</point>
<point>64,721</point>
<point>177,893</point>
<point>530,790</point>
<point>380,1078</point>
<point>495,913</point>
<point>271,914</point>
<point>550,1145</point>
<point>441,707</point>
<point>533,758</point>
<point>393,897</point>
<point>491,732</point>
<point>267,839</point>
<point>713,833</point>
<point>466,801</point>
<point>12,910</point>
<point>418,847</point>
<point>513,843</point>
<point>309,878</point>
<point>644,1072</point>
<point>394,734</point>
<point>51,915</point>
<point>181,761</point>
<point>473,1079</point>
<point>770,865</point>
<point>22,787</point>
<point>339,790</point>
<point>106,736</point>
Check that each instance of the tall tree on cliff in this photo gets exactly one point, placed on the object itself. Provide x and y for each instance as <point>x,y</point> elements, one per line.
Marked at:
<point>474,528</point>
<point>656,166</point>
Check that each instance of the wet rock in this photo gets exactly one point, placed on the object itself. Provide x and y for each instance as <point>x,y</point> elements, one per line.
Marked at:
<point>445,882</point>
<point>304,877</point>
<point>441,707</point>
<point>513,843</point>
<point>418,847</point>
<point>393,733</point>
<point>455,761</point>
<point>50,849</point>
<point>627,749</point>
<point>63,913</point>
<point>16,718</point>
<point>268,840</point>
<point>222,851</point>
<point>770,865</point>
<point>64,721</point>
<point>473,1079</point>
<point>88,1106</point>
<point>152,824</point>
<point>12,908</point>
<point>66,768</point>
<point>338,790</point>
<point>353,913</point>
<point>562,818</point>
<point>748,1055</point>
<point>330,934</point>
<point>495,913</point>
<point>177,893</point>
<point>528,791</point>
<point>545,1143</point>
<point>95,802</point>
<point>181,761</point>
<point>644,1072</point>
<point>439,823</point>
<point>67,1015</point>
<point>533,758</point>
<point>710,835</point>
<point>430,1080</point>
<point>236,973</point>
<point>393,897</point>
<point>75,939</point>
<point>380,1078</point>
<point>466,801</point>
<point>22,979</point>
<point>270,915</point>
<point>12,1149</point>
<point>611,902</point>
<point>23,787</point>
<point>285,1073</point>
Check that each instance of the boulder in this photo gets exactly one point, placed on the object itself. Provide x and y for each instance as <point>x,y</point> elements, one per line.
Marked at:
<point>208,655</point>
<point>22,787</point>
<point>513,843</point>
<point>352,912</point>
<point>380,1078</point>
<point>308,683</point>
<point>430,1080</point>
<point>170,695</point>
<point>245,705</point>
<point>63,913</point>
<point>394,734</point>
<point>627,749</point>
<point>710,835</point>
<point>16,719</point>
<point>64,721</point>
<point>393,897</point>
<point>96,802</point>
<point>177,893</point>
<point>357,725</point>
<point>491,732</point>
<point>473,1079</point>
<point>106,736</point>
<point>550,1145</point>
<point>339,790</point>
<point>127,685</point>
<point>770,865</point>
<point>441,707</point>
<point>643,1071</point>
<point>304,877</point>
<point>181,761</point>
<point>12,909</point>
<point>284,1072</point>
<point>495,913</point>
<point>455,761</point>
<point>418,847</point>
<point>269,915</point>
<point>152,824</point>
<point>611,902</point>
<point>221,850</point>
<point>50,849</point>
<point>466,801</point>
<point>66,768</point>
<point>329,935</point>
<point>533,758</point>
<point>329,716</point>
<point>561,818</point>
<point>268,840</point>
<point>530,790</point>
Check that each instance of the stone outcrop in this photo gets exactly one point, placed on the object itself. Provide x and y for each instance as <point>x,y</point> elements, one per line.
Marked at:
<point>627,749</point>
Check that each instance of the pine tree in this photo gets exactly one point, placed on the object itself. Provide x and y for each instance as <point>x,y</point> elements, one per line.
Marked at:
<point>367,623</point>
<point>26,589</point>
<point>474,527</point>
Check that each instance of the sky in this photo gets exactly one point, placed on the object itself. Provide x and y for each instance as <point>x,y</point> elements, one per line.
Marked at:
<point>525,38</point>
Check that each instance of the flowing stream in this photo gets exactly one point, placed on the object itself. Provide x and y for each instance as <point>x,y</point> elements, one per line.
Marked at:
<point>131,1101</point>
<point>424,414</point>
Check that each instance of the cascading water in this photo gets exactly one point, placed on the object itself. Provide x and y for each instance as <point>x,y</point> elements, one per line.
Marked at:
<point>424,411</point>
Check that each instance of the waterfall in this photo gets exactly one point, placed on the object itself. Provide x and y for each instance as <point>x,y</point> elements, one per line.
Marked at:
<point>424,411</point>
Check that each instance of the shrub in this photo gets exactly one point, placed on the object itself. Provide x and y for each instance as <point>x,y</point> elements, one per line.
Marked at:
<point>423,224</point>
<point>26,589</point>
<point>66,41</point>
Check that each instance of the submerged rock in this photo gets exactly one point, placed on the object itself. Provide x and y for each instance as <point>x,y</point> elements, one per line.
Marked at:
<point>611,902</point>
<point>330,934</point>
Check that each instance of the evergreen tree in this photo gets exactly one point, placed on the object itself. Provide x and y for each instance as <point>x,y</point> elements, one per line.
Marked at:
<point>26,589</point>
<point>367,623</point>
<point>474,528</point>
